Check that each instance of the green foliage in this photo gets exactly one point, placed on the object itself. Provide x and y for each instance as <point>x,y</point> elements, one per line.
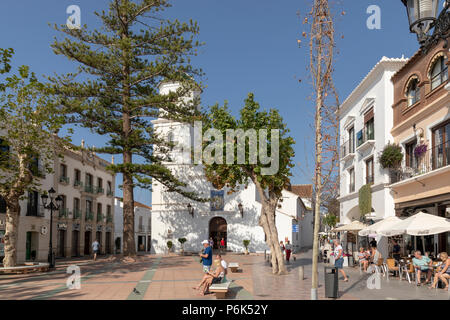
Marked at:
<point>236,175</point>
<point>391,157</point>
<point>330,220</point>
<point>182,240</point>
<point>29,121</point>
<point>121,67</point>
<point>246,243</point>
<point>365,200</point>
<point>169,244</point>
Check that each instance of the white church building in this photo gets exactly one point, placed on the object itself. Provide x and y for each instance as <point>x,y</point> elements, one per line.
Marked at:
<point>234,217</point>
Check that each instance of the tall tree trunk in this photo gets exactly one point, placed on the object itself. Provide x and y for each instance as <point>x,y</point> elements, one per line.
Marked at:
<point>129,246</point>
<point>12,223</point>
<point>267,222</point>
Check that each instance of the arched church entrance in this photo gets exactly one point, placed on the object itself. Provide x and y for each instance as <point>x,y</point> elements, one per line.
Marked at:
<point>218,230</point>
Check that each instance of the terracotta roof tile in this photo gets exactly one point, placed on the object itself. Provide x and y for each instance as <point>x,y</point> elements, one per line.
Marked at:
<point>302,190</point>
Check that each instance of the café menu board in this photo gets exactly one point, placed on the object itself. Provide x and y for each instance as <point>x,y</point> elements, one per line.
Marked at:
<point>2,243</point>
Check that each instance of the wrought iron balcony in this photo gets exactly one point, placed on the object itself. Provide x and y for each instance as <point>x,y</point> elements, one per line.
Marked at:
<point>89,189</point>
<point>76,214</point>
<point>63,212</point>
<point>64,180</point>
<point>423,162</point>
<point>347,149</point>
<point>89,216</point>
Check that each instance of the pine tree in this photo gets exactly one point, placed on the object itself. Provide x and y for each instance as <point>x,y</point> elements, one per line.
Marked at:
<point>122,65</point>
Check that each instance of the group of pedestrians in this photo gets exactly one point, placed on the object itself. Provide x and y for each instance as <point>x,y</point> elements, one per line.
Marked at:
<point>286,249</point>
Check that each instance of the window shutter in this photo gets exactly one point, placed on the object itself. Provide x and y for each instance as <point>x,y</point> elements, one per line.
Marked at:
<point>368,115</point>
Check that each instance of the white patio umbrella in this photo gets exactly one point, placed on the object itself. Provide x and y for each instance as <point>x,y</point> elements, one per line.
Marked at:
<point>378,227</point>
<point>353,226</point>
<point>420,224</point>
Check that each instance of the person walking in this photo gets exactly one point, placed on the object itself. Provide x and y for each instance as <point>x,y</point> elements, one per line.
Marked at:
<point>288,250</point>
<point>95,248</point>
<point>206,256</point>
<point>211,242</point>
<point>222,244</point>
<point>339,258</point>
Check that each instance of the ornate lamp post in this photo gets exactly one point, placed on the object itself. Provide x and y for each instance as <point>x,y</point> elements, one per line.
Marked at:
<point>55,204</point>
<point>190,210</point>
<point>241,209</point>
<point>423,16</point>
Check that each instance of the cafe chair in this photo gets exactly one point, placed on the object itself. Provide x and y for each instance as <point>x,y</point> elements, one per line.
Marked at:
<point>409,271</point>
<point>391,266</point>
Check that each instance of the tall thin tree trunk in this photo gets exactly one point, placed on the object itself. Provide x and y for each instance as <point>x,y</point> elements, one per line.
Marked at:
<point>11,235</point>
<point>129,246</point>
<point>318,167</point>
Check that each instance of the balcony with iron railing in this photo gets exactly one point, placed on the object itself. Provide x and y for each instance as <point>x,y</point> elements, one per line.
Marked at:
<point>35,211</point>
<point>63,213</point>
<point>365,138</point>
<point>423,163</point>
<point>89,216</point>
<point>64,180</point>
<point>76,214</point>
<point>347,150</point>
<point>99,190</point>
<point>78,183</point>
<point>99,217</point>
<point>109,218</point>
<point>109,193</point>
<point>89,189</point>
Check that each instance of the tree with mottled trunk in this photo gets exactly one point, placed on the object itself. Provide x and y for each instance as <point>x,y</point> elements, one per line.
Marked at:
<point>28,145</point>
<point>124,63</point>
<point>238,172</point>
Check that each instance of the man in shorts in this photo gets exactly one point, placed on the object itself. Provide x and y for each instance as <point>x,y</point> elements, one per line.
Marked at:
<point>206,256</point>
<point>95,248</point>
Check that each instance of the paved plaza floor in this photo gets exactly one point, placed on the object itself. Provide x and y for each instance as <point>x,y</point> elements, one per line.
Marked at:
<point>156,277</point>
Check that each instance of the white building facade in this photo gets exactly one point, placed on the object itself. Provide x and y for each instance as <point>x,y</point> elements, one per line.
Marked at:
<point>234,217</point>
<point>86,213</point>
<point>142,226</point>
<point>365,122</point>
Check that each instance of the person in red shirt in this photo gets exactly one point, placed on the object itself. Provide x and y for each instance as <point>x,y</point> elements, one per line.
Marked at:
<point>222,244</point>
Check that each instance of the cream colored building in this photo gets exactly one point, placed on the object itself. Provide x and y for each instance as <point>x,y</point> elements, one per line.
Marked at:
<point>86,213</point>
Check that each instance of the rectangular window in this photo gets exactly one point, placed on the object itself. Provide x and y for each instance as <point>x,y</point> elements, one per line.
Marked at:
<point>441,145</point>
<point>411,160</point>
<point>352,180</point>
<point>2,205</point>
<point>63,170</point>
<point>33,204</point>
<point>351,140</point>
<point>369,171</point>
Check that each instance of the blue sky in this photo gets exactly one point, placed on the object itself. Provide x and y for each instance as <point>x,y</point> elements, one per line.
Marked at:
<point>250,46</point>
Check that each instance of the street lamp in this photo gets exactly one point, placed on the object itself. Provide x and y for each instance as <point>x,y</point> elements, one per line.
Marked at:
<point>423,16</point>
<point>190,210</point>
<point>55,204</point>
<point>241,209</point>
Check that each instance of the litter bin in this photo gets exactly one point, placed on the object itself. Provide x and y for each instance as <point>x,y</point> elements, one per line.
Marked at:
<point>331,282</point>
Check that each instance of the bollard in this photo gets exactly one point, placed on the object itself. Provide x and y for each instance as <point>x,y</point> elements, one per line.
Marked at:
<point>301,273</point>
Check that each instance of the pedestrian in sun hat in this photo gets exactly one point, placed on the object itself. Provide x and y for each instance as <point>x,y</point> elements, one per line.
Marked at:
<point>206,256</point>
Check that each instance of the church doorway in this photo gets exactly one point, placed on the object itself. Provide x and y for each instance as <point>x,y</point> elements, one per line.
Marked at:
<point>218,230</point>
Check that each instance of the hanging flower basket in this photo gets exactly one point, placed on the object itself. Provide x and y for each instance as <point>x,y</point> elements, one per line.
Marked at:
<point>420,150</point>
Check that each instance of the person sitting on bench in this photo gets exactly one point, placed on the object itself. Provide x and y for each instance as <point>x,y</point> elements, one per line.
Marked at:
<point>212,277</point>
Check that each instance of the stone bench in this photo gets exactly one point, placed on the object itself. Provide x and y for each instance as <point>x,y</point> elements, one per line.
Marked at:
<point>28,267</point>
<point>220,289</point>
<point>234,266</point>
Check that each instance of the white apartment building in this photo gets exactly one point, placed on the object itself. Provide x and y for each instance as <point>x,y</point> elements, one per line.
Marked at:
<point>365,122</point>
<point>87,189</point>
<point>142,226</point>
<point>234,217</point>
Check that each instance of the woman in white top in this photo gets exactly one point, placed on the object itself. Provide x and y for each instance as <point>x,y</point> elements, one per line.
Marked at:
<point>213,277</point>
<point>339,258</point>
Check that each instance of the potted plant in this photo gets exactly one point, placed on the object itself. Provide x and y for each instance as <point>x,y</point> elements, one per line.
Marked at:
<point>391,158</point>
<point>246,244</point>
<point>420,150</point>
<point>169,245</point>
<point>182,241</point>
